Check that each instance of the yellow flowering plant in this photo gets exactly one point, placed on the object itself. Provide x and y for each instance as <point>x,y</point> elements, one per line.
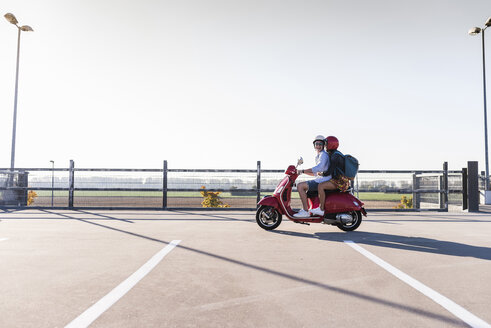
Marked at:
<point>405,203</point>
<point>30,197</point>
<point>211,198</point>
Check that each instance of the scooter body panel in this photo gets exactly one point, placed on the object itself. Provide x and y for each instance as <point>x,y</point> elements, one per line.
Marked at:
<point>338,202</point>
<point>283,194</point>
<point>270,201</point>
<point>313,202</point>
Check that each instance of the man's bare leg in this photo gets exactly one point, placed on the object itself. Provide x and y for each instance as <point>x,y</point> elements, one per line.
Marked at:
<point>302,192</point>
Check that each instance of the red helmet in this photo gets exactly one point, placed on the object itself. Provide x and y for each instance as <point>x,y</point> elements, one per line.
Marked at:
<point>332,143</point>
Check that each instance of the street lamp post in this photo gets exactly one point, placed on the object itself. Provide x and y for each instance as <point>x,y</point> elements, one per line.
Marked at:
<point>475,31</point>
<point>52,181</point>
<point>11,18</point>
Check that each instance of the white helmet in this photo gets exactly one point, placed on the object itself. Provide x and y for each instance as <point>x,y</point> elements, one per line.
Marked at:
<point>320,138</point>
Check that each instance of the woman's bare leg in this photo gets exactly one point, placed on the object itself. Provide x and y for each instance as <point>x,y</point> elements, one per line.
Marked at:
<point>322,194</point>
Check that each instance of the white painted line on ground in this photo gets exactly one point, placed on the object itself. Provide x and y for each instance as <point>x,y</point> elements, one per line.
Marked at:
<point>3,239</point>
<point>92,313</point>
<point>449,305</point>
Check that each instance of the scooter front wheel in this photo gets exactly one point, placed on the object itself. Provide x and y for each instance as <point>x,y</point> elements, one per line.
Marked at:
<point>268,217</point>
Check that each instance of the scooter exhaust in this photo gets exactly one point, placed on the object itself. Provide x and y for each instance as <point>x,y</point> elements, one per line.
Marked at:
<point>342,218</point>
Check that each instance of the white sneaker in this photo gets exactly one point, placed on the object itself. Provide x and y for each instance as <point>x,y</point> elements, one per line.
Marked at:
<point>301,214</point>
<point>317,211</point>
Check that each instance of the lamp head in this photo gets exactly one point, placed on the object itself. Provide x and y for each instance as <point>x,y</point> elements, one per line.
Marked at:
<point>26,28</point>
<point>474,31</point>
<point>488,22</point>
<point>11,18</point>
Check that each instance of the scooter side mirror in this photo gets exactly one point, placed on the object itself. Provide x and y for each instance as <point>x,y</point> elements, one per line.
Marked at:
<point>300,161</point>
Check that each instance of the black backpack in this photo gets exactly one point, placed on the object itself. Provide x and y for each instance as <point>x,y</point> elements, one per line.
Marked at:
<point>336,165</point>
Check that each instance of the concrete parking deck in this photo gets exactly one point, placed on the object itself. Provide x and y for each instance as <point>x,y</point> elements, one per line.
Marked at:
<point>116,269</point>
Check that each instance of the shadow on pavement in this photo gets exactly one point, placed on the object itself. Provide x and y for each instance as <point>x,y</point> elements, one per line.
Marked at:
<point>417,244</point>
<point>331,288</point>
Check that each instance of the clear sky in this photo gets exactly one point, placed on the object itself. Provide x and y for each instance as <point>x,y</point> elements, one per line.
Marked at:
<point>222,84</point>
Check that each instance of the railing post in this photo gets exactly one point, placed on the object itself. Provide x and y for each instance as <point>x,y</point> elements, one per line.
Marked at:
<point>164,186</point>
<point>441,187</point>
<point>482,181</point>
<point>71,183</point>
<point>472,186</point>
<point>416,196</point>
<point>445,186</point>
<point>258,183</point>
<point>464,189</point>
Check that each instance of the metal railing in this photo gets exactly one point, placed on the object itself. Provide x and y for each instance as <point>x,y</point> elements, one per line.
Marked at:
<point>166,188</point>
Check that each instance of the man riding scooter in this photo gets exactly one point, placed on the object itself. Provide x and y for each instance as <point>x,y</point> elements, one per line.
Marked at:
<point>322,165</point>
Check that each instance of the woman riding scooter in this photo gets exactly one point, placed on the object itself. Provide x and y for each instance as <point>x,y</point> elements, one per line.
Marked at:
<point>337,181</point>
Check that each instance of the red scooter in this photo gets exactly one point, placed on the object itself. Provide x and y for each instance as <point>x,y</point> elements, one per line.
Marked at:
<point>341,209</point>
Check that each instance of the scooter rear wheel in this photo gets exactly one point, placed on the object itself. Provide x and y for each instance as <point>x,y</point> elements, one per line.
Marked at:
<point>353,225</point>
<point>268,217</point>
